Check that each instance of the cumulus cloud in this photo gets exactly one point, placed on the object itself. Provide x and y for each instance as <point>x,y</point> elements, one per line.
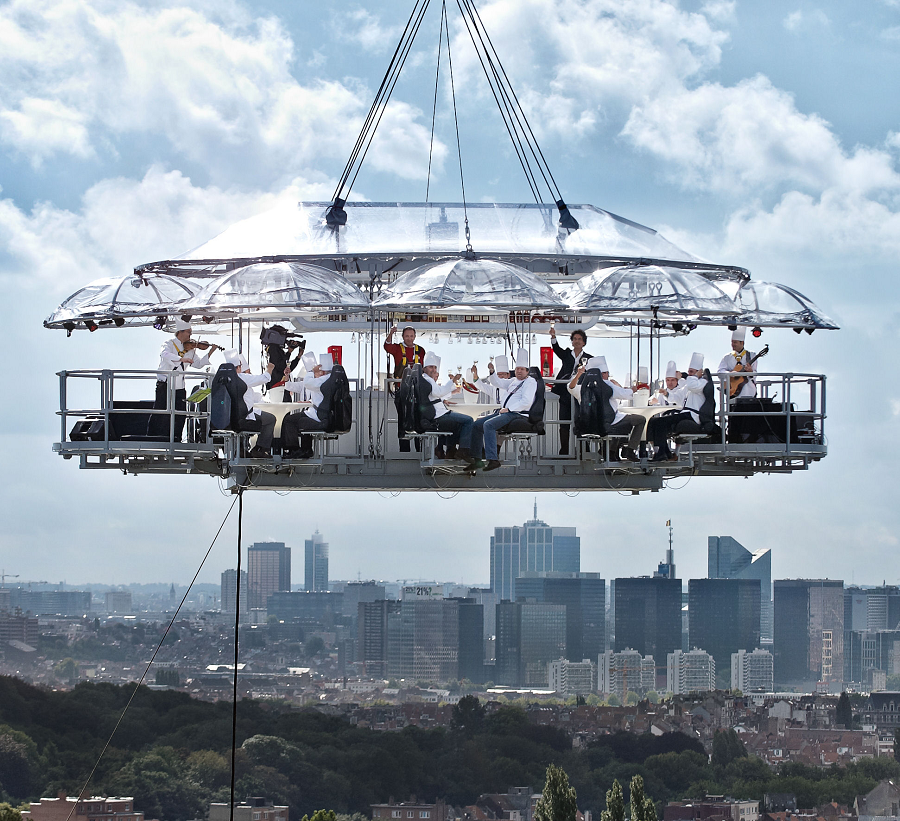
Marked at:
<point>799,20</point>
<point>720,10</point>
<point>364,28</point>
<point>219,90</point>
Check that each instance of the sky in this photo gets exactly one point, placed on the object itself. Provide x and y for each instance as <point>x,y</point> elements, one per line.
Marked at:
<point>761,134</point>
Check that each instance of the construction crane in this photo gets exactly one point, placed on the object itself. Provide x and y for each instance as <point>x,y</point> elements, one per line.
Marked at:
<point>4,576</point>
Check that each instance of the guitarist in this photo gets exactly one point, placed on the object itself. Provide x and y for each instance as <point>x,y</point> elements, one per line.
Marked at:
<point>739,361</point>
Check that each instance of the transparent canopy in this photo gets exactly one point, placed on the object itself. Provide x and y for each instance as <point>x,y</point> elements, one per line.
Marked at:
<point>125,300</point>
<point>770,304</point>
<point>469,283</point>
<point>630,289</point>
<point>427,228</point>
<point>280,289</point>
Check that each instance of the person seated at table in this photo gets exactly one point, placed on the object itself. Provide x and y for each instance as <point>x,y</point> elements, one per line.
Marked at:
<point>660,428</point>
<point>257,420</point>
<point>624,424</point>
<point>673,393</point>
<point>457,424</point>
<point>519,399</point>
<point>499,368</point>
<point>295,446</point>
<point>738,361</point>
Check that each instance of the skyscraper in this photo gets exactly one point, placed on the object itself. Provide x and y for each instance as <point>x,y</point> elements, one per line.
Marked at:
<point>529,636</point>
<point>691,672</point>
<point>268,571</point>
<point>316,563</point>
<point>584,595</point>
<point>724,617</point>
<point>752,671</point>
<point>648,616</point>
<point>533,547</point>
<point>809,631</point>
<point>728,559</point>
<point>229,591</point>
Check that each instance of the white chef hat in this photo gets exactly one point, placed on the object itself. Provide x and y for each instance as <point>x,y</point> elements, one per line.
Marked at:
<point>431,359</point>
<point>326,363</point>
<point>501,364</point>
<point>739,334</point>
<point>696,362</point>
<point>671,370</point>
<point>522,358</point>
<point>181,325</point>
<point>595,363</point>
<point>309,360</point>
<point>643,374</point>
<point>243,361</point>
<point>232,357</point>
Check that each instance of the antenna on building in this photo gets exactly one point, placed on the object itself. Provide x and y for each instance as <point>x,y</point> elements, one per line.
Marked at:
<point>670,553</point>
<point>535,508</point>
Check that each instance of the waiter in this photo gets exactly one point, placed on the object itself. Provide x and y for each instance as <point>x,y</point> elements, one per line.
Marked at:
<point>405,354</point>
<point>458,424</point>
<point>522,389</point>
<point>571,359</point>
<point>178,355</point>
<point>260,421</point>
<point>305,420</point>
<point>739,356</point>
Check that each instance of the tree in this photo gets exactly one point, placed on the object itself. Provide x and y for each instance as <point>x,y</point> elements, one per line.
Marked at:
<point>615,804</point>
<point>844,713</point>
<point>558,800</point>
<point>314,646</point>
<point>642,807</point>
<point>321,815</point>
<point>9,812</point>
<point>468,715</point>
<point>727,746</point>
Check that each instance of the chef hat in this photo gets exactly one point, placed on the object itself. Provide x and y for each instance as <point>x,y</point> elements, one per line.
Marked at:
<point>243,360</point>
<point>671,370</point>
<point>232,357</point>
<point>643,374</point>
<point>181,325</point>
<point>309,361</point>
<point>696,362</point>
<point>739,334</point>
<point>326,363</point>
<point>501,364</point>
<point>431,359</point>
<point>521,358</point>
<point>596,363</point>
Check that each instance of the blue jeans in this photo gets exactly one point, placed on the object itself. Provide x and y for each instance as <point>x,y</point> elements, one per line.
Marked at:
<point>459,425</point>
<point>485,431</point>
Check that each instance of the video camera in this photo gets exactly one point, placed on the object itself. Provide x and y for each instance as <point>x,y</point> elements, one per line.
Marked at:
<point>281,337</point>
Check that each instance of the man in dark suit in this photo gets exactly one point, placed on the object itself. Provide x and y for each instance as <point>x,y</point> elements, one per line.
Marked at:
<point>571,359</point>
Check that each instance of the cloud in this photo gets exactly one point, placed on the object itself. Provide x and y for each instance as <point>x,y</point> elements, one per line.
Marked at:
<point>365,29</point>
<point>217,89</point>
<point>720,10</point>
<point>892,33</point>
<point>799,20</point>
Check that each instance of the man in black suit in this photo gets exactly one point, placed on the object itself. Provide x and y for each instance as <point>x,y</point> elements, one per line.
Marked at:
<point>571,359</point>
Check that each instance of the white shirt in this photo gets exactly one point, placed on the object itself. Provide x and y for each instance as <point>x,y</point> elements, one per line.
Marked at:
<point>520,396</point>
<point>438,392</point>
<point>253,397</point>
<point>618,393</point>
<point>676,396</point>
<point>693,393</point>
<point>170,360</point>
<point>311,387</point>
<point>727,365</point>
<point>494,391</point>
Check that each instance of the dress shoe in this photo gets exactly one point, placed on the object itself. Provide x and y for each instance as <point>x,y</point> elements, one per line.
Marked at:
<point>259,453</point>
<point>662,455</point>
<point>492,464</point>
<point>628,454</point>
<point>452,452</point>
<point>439,452</point>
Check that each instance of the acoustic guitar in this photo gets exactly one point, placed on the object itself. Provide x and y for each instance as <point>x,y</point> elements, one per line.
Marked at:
<point>737,382</point>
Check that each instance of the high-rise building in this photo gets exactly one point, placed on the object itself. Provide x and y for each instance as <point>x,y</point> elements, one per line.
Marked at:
<point>573,678</point>
<point>866,651</point>
<point>691,672</point>
<point>809,631</point>
<point>50,602</point>
<point>724,616</point>
<point>620,673</point>
<point>268,571</point>
<point>316,563</point>
<point>728,559</point>
<point>372,642</point>
<point>584,595</point>
<point>648,616</point>
<point>533,547</point>
<point>529,636</point>
<point>228,592</point>
<point>753,671</point>
<point>119,601</point>
<point>320,608</point>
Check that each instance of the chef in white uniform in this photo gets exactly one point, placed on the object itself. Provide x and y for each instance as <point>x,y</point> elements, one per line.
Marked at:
<point>660,428</point>
<point>256,420</point>
<point>673,393</point>
<point>739,354</point>
<point>179,354</point>
<point>495,393</point>
<point>295,446</point>
<point>457,424</point>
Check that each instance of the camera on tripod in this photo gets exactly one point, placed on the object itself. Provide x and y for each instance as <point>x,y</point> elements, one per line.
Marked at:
<point>281,337</point>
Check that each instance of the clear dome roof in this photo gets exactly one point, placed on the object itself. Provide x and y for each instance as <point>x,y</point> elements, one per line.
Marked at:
<point>770,304</point>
